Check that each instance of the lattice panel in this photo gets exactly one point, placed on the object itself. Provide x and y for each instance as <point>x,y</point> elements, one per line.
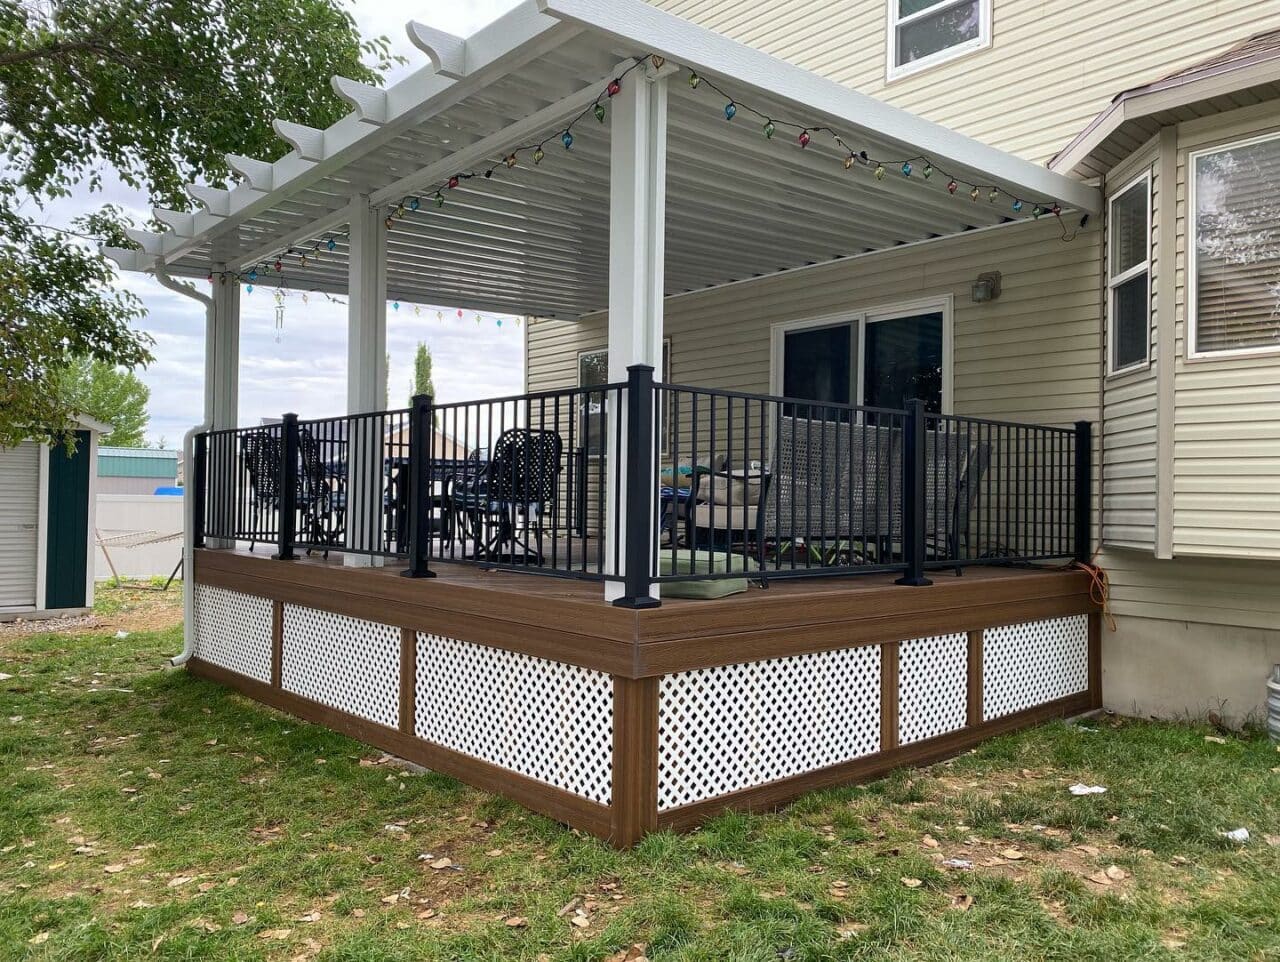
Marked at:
<point>233,631</point>
<point>1033,663</point>
<point>346,663</point>
<point>728,728</point>
<point>543,719</point>
<point>933,686</point>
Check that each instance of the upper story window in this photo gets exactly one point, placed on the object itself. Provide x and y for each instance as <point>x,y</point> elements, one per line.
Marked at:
<point>1234,300</point>
<point>1129,276</point>
<point>927,32</point>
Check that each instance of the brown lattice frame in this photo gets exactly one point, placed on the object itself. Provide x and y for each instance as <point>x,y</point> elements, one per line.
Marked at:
<point>632,808</point>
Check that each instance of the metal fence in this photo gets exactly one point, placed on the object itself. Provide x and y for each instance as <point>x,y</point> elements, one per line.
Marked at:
<point>643,482</point>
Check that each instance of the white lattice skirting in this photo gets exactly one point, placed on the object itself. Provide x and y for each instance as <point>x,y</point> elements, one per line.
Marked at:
<point>233,631</point>
<point>544,719</point>
<point>1030,664</point>
<point>728,728</point>
<point>933,686</point>
<point>346,663</point>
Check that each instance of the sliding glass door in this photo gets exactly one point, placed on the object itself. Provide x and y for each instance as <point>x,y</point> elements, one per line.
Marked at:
<point>880,359</point>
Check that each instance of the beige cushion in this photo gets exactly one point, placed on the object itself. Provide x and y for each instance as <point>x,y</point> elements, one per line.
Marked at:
<point>726,518</point>
<point>721,490</point>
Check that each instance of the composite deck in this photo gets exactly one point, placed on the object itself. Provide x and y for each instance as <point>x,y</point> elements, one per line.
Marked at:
<point>620,721</point>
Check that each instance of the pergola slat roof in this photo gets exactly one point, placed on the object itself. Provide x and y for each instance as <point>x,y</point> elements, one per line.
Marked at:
<point>534,239</point>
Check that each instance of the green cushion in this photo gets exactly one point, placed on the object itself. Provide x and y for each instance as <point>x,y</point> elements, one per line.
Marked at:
<point>711,588</point>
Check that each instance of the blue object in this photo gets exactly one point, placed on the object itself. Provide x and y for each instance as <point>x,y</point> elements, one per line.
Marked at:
<point>170,492</point>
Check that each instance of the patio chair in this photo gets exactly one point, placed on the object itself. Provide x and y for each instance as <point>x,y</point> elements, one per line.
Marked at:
<point>518,484</point>
<point>322,508</point>
<point>260,454</point>
<point>834,497</point>
<point>955,464</point>
<point>723,506</point>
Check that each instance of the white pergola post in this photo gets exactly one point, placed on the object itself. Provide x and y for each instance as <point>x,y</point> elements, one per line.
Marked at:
<point>366,374</point>
<point>222,370</point>
<point>637,217</point>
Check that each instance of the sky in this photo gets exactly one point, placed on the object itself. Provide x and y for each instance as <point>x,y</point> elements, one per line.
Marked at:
<point>304,370</point>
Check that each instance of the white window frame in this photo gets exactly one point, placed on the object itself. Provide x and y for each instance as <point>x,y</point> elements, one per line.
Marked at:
<point>1115,280</point>
<point>944,305</point>
<point>1193,267</point>
<point>895,70</point>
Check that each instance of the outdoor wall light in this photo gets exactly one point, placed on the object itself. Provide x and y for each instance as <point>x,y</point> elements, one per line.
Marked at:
<point>986,287</point>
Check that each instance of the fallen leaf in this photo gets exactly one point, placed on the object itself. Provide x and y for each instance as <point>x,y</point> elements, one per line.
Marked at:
<point>275,935</point>
<point>1116,873</point>
<point>240,918</point>
<point>1172,943</point>
<point>358,913</point>
<point>1215,739</point>
<point>1099,878</point>
<point>568,907</point>
<point>308,917</point>
<point>113,869</point>
<point>39,938</point>
<point>930,842</point>
<point>207,886</point>
<point>441,863</point>
<point>851,929</point>
<point>912,883</point>
<point>424,914</point>
<point>204,925</point>
<point>179,880</point>
<point>1012,854</point>
<point>962,902</point>
<point>493,852</point>
<point>517,922</point>
<point>402,925</point>
<point>580,921</point>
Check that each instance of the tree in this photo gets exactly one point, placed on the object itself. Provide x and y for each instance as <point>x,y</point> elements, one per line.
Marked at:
<point>422,383</point>
<point>108,393</point>
<point>158,91</point>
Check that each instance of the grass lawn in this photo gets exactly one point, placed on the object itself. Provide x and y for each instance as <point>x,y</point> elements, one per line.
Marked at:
<point>147,814</point>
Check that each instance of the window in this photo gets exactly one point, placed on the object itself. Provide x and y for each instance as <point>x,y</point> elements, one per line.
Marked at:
<point>1129,276</point>
<point>879,359</point>
<point>1234,302</point>
<point>593,371</point>
<point>927,32</point>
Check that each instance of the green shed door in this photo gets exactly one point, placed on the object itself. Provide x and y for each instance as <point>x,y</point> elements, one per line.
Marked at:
<point>67,556</point>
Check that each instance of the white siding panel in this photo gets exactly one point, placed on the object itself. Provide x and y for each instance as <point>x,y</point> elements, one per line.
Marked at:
<point>19,513</point>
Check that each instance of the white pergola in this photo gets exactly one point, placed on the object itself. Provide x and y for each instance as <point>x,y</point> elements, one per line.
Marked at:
<point>664,196</point>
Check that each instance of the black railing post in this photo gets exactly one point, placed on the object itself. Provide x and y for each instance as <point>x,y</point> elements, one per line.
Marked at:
<point>638,497</point>
<point>288,510</point>
<point>914,507</point>
<point>1083,508</point>
<point>199,486</point>
<point>420,504</point>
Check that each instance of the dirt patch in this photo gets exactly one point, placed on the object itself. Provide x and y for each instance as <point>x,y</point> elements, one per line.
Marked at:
<point>131,606</point>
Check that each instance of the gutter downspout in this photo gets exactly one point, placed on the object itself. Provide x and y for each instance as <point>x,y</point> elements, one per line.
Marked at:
<point>188,455</point>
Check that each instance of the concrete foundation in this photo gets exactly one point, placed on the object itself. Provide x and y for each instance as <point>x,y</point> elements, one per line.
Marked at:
<point>1180,669</point>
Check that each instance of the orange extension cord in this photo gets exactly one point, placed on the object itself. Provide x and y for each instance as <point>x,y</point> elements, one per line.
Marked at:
<point>1099,589</point>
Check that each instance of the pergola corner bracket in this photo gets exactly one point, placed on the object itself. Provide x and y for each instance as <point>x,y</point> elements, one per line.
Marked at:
<point>447,53</point>
<point>307,141</point>
<point>369,103</point>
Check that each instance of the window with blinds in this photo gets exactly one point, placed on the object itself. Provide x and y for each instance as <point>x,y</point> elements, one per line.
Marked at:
<point>1235,254</point>
<point>1129,276</point>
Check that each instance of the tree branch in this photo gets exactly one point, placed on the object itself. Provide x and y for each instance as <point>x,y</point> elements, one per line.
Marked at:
<point>55,50</point>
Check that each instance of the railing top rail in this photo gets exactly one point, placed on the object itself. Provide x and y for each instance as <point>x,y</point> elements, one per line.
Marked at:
<point>393,412</point>
<point>779,399</point>
<point>966,419</point>
<point>534,396</point>
<point>252,429</point>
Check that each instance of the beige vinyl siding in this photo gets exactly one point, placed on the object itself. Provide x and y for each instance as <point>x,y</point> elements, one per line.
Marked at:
<point>1129,403</point>
<point>1051,67</point>
<point>1226,411</point>
<point>1214,591</point>
<point>1032,355</point>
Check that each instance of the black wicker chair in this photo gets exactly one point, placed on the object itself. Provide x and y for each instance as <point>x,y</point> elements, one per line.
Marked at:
<point>518,484</point>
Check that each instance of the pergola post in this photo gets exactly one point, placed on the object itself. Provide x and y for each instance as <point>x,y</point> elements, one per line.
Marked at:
<point>222,366</point>
<point>637,217</point>
<point>366,375</point>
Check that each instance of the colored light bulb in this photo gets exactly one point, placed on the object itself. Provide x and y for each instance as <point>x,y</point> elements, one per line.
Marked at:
<point>511,160</point>
<point>994,195</point>
<point>879,171</point>
<point>395,305</point>
<point>598,110</point>
<point>804,138</point>
<point>253,275</point>
<point>928,171</point>
<point>248,289</point>
<point>730,110</point>
<point>848,161</point>
<point>973,195</point>
<point>615,85</point>
<point>769,129</point>
<point>439,199</point>
<point>414,204</point>
<point>453,181</point>
<point>1017,207</point>
<point>538,154</point>
<point>567,139</point>
<point>906,169</point>
<point>1037,211</point>
<point>332,245</point>
<point>279,266</point>
<point>694,80</point>
<point>1055,210</point>
<point>952,187</point>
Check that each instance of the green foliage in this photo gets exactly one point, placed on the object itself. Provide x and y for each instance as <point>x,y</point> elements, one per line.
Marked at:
<point>422,382</point>
<point>158,91</point>
<point>108,393</point>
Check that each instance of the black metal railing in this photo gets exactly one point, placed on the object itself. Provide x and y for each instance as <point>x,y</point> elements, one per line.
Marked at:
<point>643,483</point>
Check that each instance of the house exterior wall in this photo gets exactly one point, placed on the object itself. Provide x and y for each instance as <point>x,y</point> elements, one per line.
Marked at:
<point>1031,355</point>
<point>1050,68</point>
